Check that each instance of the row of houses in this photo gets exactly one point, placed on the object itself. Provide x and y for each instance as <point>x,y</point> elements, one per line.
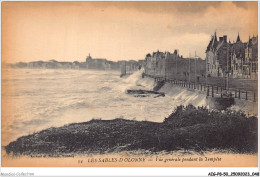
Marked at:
<point>104,64</point>
<point>173,66</point>
<point>51,64</point>
<point>235,60</point>
<point>90,63</point>
<point>223,60</point>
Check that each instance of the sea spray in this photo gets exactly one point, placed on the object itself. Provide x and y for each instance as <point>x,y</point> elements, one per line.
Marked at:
<point>51,98</point>
<point>136,81</point>
<point>197,98</point>
<point>184,96</point>
<point>178,94</point>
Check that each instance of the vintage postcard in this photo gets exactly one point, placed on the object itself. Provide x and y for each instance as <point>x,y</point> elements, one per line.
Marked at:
<point>129,84</point>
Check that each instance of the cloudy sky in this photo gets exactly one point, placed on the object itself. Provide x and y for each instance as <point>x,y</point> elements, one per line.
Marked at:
<point>68,31</point>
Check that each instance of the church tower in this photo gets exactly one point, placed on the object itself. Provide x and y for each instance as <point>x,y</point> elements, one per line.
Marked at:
<point>238,38</point>
<point>88,58</point>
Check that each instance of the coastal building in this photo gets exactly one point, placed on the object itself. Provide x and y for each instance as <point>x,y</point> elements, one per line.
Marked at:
<point>36,64</point>
<point>251,57</point>
<point>128,67</point>
<point>96,63</point>
<point>217,54</point>
<point>235,60</point>
<point>104,64</point>
<point>155,64</point>
<point>90,63</point>
<point>173,66</point>
<point>76,65</point>
<point>19,65</point>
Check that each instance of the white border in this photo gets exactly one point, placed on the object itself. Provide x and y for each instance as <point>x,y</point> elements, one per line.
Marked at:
<point>128,171</point>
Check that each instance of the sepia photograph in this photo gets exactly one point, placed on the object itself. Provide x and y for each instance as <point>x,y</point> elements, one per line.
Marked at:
<point>129,84</point>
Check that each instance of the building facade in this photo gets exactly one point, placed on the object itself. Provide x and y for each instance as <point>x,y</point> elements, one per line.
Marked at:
<point>251,57</point>
<point>155,64</point>
<point>236,60</point>
<point>173,66</point>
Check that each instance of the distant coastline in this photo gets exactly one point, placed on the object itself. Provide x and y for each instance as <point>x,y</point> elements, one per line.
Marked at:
<point>90,63</point>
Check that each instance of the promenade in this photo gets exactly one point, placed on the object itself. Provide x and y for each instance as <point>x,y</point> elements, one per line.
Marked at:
<point>212,90</point>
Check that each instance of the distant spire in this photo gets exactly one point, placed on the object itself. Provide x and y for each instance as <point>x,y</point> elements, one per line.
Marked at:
<point>215,36</point>
<point>238,38</point>
<point>89,57</point>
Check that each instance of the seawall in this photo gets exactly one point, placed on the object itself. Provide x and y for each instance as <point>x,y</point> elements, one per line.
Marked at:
<point>183,95</point>
<point>187,96</point>
<point>200,97</point>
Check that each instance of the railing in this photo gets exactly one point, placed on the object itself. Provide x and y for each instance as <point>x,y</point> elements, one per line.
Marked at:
<point>211,90</point>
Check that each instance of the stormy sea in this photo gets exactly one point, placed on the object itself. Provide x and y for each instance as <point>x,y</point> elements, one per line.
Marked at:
<point>44,98</point>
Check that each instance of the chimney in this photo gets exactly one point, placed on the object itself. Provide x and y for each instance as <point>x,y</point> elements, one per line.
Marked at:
<point>225,38</point>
